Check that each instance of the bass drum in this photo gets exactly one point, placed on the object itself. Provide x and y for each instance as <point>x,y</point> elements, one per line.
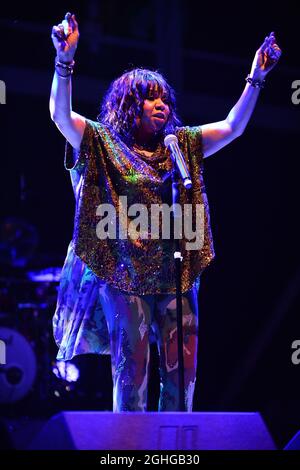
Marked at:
<point>18,366</point>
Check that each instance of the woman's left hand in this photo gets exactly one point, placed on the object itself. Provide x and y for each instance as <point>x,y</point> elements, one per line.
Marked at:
<point>266,57</point>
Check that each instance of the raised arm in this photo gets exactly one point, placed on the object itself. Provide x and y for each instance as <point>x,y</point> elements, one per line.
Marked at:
<point>218,134</point>
<point>65,38</point>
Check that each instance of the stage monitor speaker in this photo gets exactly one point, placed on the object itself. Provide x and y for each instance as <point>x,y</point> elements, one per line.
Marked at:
<point>294,443</point>
<point>86,430</point>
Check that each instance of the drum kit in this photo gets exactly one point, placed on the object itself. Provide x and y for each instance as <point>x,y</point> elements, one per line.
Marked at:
<point>32,381</point>
<point>27,303</point>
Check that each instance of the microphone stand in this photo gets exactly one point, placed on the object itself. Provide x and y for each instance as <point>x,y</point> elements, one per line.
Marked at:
<point>178,259</point>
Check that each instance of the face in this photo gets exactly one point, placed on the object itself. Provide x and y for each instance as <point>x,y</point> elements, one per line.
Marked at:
<point>155,114</point>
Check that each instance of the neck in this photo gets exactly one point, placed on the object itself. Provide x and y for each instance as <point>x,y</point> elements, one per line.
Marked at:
<point>146,141</point>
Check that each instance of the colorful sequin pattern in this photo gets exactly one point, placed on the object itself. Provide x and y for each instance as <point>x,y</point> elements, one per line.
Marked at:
<point>107,169</point>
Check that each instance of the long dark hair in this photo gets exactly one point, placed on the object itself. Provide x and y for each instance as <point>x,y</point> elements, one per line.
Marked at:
<point>124,100</point>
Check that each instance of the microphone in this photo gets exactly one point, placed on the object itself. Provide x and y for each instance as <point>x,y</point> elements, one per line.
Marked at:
<point>171,142</point>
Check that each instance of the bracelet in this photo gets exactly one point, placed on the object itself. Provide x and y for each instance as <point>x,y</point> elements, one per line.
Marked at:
<point>67,66</point>
<point>255,83</point>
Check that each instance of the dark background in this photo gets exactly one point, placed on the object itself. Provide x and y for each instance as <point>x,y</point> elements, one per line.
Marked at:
<point>249,298</point>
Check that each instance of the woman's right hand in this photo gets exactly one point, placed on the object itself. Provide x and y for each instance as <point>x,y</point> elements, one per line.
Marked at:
<point>65,37</point>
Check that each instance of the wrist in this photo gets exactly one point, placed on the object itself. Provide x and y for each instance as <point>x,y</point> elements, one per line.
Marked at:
<point>64,59</point>
<point>64,69</point>
<point>257,75</point>
<point>255,81</point>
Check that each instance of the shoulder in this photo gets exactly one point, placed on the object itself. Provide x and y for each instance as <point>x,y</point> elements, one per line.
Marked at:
<point>101,130</point>
<point>92,126</point>
<point>95,132</point>
<point>192,135</point>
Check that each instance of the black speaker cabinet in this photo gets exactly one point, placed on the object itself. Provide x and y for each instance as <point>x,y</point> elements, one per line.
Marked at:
<point>154,431</point>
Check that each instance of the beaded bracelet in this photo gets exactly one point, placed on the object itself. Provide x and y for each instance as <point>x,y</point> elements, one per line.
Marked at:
<point>67,66</point>
<point>255,83</point>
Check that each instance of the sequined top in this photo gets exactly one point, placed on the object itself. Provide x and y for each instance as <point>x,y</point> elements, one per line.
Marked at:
<point>105,169</point>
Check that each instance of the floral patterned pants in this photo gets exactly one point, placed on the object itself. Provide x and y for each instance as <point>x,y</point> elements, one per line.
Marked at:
<point>131,321</point>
